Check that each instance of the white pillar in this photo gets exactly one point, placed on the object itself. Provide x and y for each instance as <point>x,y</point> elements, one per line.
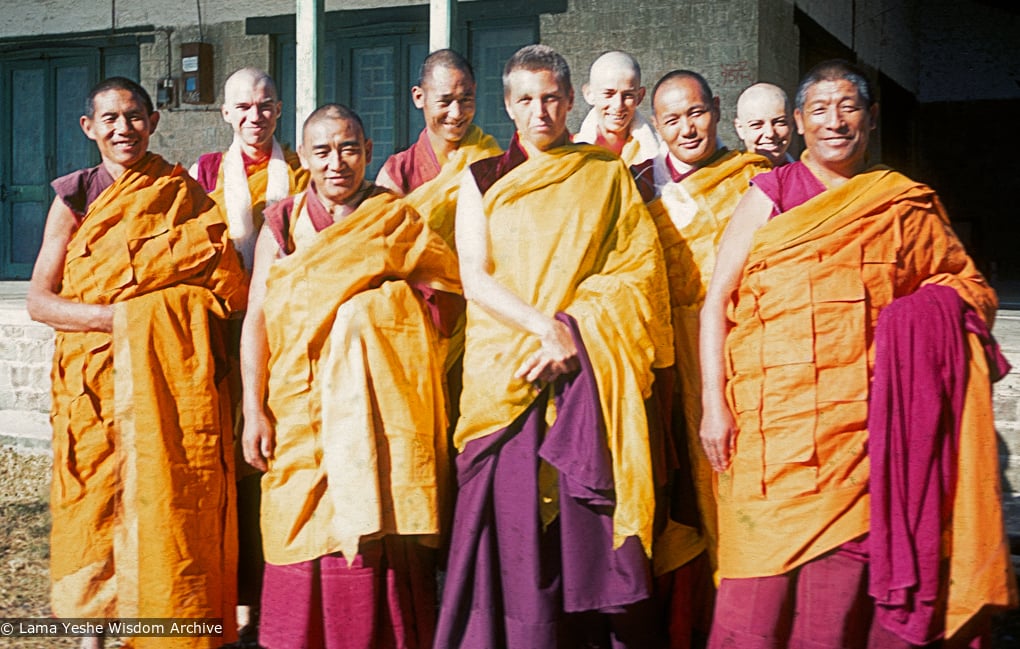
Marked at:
<point>309,19</point>
<point>442,18</point>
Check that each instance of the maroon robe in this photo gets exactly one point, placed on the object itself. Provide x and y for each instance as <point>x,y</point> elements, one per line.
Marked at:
<point>414,166</point>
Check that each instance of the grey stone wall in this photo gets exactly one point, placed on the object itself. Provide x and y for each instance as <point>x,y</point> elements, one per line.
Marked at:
<point>187,131</point>
<point>717,38</point>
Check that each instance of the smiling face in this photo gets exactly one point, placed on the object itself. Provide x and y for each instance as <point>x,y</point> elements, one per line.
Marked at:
<point>447,100</point>
<point>538,106</point>
<point>836,123</point>
<point>687,120</point>
<point>762,122</point>
<point>336,153</point>
<point>120,126</point>
<point>614,92</point>
<point>252,109</point>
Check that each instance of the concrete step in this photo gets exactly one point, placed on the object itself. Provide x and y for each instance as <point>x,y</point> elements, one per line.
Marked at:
<point>26,356</point>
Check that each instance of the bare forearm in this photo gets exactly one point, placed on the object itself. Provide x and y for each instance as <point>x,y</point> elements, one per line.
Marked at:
<point>504,305</point>
<point>254,358</point>
<point>714,328</point>
<point>65,315</point>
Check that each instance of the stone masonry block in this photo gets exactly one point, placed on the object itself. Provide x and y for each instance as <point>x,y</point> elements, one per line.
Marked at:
<point>1007,408</point>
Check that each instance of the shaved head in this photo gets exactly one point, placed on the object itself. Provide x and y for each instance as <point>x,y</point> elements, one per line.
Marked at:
<point>445,58</point>
<point>245,79</point>
<point>614,92</point>
<point>613,63</point>
<point>334,112</point>
<point>763,121</point>
<point>758,95</point>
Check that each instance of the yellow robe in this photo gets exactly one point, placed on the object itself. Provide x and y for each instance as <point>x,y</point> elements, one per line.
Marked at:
<point>354,385</point>
<point>799,361</point>
<point>691,216</point>
<point>569,233</point>
<point>142,502</point>
<point>436,200</point>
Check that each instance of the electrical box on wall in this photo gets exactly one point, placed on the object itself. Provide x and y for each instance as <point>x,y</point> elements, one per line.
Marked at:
<point>166,93</point>
<point>197,78</point>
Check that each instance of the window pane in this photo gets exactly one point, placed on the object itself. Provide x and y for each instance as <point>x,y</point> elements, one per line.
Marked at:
<point>74,150</point>
<point>27,222</point>
<point>490,49</point>
<point>285,82</point>
<point>28,111</point>
<point>416,53</point>
<point>372,84</point>
<point>121,64</point>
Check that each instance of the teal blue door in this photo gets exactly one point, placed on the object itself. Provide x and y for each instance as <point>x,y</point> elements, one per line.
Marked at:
<point>42,101</point>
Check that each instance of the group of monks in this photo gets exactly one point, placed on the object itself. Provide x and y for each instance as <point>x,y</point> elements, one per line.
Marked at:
<point>621,389</point>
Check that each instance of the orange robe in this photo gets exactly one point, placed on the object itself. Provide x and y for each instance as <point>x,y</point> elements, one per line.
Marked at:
<point>570,233</point>
<point>354,384</point>
<point>142,493</point>
<point>799,361</point>
<point>691,216</point>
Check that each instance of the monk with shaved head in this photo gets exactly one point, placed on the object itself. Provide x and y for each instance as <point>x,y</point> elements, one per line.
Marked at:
<point>763,122</point>
<point>134,273</point>
<point>342,360</point>
<point>846,366</point>
<point>256,171</point>
<point>614,92</point>
<point>428,171</point>
<point>252,174</point>
<point>691,189</point>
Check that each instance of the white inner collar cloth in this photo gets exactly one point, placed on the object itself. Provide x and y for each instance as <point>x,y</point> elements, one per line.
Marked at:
<point>640,129</point>
<point>237,197</point>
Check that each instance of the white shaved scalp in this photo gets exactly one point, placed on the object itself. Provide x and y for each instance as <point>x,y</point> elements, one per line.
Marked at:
<point>615,61</point>
<point>757,95</point>
<point>248,78</point>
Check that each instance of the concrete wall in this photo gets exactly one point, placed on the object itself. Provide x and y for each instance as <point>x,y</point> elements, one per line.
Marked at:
<point>19,18</point>
<point>663,35</point>
<point>187,131</point>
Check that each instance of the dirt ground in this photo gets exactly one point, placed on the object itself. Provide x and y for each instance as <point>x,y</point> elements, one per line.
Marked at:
<point>25,543</point>
<point>24,551</point>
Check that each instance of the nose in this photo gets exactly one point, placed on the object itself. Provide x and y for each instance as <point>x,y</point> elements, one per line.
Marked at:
<point>769,131</point>
<point>252,114</point>
<point>617,101</point>
<point>687,127</point>
<point>455,110</point>
<point>834,119</point>
<point>334,161</point>
<point>122,125</point>
<point>539,108</point>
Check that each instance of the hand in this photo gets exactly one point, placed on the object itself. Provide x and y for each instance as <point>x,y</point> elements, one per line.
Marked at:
<point>718,436</point>
<point>557,356</point>
<point>258,440</point>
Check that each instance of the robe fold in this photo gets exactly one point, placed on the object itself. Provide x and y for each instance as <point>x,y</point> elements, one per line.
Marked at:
<point>570,234</point>
<point>142,493</point>
<point>354,385</point>
<point>925,376</point>
<point>799,360</point>
<point>432,190</point>
<point>511,573</point>
<point>690,216</point>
